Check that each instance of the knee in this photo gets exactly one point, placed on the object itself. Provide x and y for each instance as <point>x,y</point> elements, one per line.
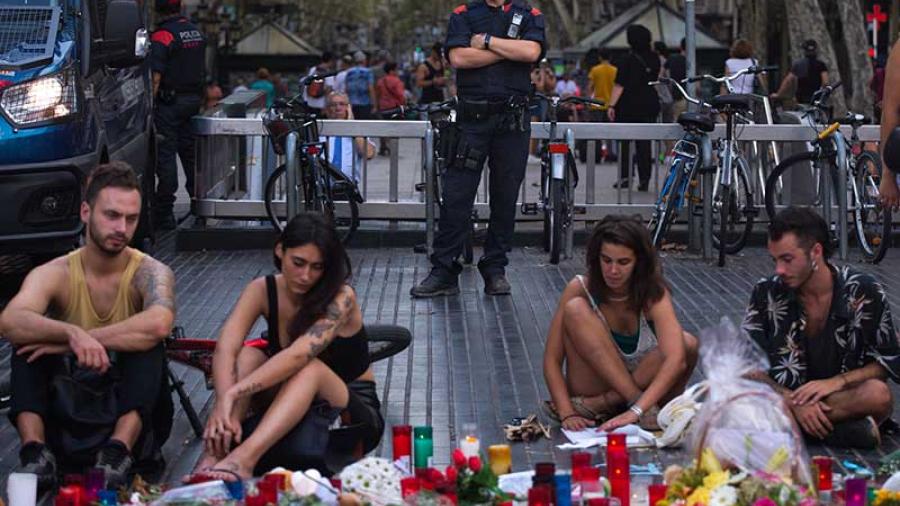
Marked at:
<point>575,310</point>
<point>878,393</point>
<point>692,347</point>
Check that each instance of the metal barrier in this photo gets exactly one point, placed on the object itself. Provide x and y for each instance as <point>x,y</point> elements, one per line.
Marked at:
<point>228,186</point>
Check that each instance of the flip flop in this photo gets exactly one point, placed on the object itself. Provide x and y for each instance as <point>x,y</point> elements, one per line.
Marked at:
<point>205,476</point>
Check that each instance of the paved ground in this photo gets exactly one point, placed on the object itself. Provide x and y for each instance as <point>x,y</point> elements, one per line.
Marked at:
<point>474,358</point>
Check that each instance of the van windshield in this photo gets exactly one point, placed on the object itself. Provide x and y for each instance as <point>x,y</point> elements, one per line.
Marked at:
<point>29,3</point>
<point>28,31</point>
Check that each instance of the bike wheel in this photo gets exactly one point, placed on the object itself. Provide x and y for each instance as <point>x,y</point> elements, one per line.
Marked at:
<point>735,219</point>
<point>796,161</point>
<point>557,218</point>
<point>666,204</point>
<point>873,221</point>
<point>545,194</point>
<point>386,340</point>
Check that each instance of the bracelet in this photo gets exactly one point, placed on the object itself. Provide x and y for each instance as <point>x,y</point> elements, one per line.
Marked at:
<point>634,408</point>
<point>573,415</point>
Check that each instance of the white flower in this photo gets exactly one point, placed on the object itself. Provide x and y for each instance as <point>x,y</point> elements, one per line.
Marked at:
<point>726,495</point>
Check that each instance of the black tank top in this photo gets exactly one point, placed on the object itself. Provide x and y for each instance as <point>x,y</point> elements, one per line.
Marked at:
<point>432,93</point>
<point>348,357</point>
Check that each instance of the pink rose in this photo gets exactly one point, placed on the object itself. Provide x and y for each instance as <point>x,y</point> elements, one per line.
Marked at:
<point>764,501</point>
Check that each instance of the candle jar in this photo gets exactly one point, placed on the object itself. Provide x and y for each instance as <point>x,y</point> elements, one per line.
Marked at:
<point>468,440</point>
<point>617,466</point>
<point>616,441</point>
<point>824,473</point>
<point>855,493</point>
<point>545,469</point>
<point>409,486</point>
<point>580,459</point>
<point>500,457</point>
<point>539,496</point>
<point>656,493</point>
<point>402,443</point>
<point>423,446</point>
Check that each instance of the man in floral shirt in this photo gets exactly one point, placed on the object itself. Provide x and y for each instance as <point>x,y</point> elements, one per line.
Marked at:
<point>828,334</point>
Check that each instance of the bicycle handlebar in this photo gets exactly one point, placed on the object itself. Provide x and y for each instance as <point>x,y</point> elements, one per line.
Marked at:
<point>445,106</point>
<point>684,93</point>
<point>569,99</point>
<point>752,70</point>
<point>306,81</point>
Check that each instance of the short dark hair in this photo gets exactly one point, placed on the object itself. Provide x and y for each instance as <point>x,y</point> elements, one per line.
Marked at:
<point>438,48</point>
<point>604,54</point>
<point>806,225</point>
<point>390,67</point>
<point>327,56</point>
<point>115,174</point>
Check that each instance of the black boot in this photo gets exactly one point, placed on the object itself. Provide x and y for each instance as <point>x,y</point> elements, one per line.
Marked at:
<point>435,285</point>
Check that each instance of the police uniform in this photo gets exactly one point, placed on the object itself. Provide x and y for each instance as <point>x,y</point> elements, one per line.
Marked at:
<point>178,50</point>
<point>494,127</point>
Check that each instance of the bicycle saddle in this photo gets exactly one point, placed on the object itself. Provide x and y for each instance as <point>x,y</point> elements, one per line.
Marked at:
<point>853,119</point>
<point>891,152</point>
<point>734,102</point>
<point>696,120</point>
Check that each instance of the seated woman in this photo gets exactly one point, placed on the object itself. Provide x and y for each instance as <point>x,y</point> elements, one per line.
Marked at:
<point>316,359</point>
<point>616,332</point>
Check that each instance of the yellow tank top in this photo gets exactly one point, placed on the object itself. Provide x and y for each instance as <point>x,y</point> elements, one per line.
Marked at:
<point>81,310</point>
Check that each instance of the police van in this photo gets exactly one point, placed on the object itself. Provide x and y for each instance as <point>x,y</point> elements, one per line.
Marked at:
<point>75,91</point>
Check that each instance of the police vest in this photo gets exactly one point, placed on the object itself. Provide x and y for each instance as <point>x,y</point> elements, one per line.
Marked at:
<point>513,20</point>
<point>178,52</point>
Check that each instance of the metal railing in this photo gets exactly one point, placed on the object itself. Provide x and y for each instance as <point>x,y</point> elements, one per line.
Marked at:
<point>234,160</point>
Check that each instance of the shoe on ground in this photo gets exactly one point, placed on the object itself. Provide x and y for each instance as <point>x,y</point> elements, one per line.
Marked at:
<point>115,460</point>
<point>434,286</point>
<point>623,183</point>
<point>642,187</point>
<point>496,284</point>
<point>862,434</point>
<point>36,458</point>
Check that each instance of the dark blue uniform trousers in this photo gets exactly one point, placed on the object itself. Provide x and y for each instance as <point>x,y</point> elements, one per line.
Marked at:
<point>506,149</point>
<point>173,126</point>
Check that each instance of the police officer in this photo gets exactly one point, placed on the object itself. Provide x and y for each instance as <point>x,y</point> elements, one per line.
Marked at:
<point>493,45</point>
<point>177,60</point>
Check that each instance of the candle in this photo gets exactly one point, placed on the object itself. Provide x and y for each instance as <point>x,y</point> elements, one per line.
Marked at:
<point>656,493</point>
<point>500,457</point>
<point>21,488</point>
<point>539,496</point>
<point>579,460</point>
<point>617,466</point>
<point>69,495</point>
<point>615,441</point>
<point>621,490</point>
<point>424,446</point>
<point>855,492</point>
<point>545,469</point>
<point>402,442</point>
<point>597,501</point>
<point>823,470</point>
<point>108,498</point>
<point>470,446</point>
<point>268,490</point>
<point>563,486</point>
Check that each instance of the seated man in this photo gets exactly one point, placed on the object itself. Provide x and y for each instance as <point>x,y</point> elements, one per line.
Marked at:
<point>94,318</point>
<point>346,153</point>
<point>828,334</point>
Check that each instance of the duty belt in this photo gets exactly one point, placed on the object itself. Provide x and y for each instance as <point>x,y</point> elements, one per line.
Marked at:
<point>477,109</point>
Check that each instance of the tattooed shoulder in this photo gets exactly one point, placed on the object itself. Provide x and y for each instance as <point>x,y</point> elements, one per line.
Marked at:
<point>156,283</point>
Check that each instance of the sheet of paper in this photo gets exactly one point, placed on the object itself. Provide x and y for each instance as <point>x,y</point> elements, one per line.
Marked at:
<point>635,437</point>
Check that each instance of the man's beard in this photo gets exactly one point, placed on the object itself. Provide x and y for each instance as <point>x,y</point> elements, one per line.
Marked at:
<point>100,243</point>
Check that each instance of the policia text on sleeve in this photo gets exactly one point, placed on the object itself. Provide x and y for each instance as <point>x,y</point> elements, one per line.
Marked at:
<point>493,44</point>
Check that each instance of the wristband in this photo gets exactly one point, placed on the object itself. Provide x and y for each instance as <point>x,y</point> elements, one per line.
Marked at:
<point>573,415</point>
<point>487,41</point>
<point>634,408</point>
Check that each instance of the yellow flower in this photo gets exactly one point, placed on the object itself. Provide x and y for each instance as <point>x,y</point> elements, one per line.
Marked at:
<point>699,496</point>
<point>716,479</point>
<point>709,462</point>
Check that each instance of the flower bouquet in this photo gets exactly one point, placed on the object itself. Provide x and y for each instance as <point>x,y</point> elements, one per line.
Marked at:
<point>466,482</point>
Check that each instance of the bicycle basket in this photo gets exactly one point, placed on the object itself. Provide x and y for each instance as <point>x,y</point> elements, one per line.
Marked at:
<point>279,125</point>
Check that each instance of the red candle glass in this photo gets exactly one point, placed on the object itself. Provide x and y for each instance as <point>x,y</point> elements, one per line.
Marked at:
<point>599,501</point>
<point>70,495</point>
<point>615,441</point>
<point>402,441</point>
<point>409,486</point>
<point>539,496</point>
<point>336,484</point>
<point>823,470</point>
<point>579,460</point>
<point>545,469</point>
<point>589,474</point>
<point>656,493</point>
<point>621,490</point>
<point>268,489</point>
<point>855,492</point>
<point>277,480</point>
<point>255,500</point>
<point>617,466</point>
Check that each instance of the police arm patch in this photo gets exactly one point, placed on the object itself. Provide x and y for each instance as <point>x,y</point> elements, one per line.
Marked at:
<point>536,12</point>
<point>163,37</point>
<point>461,9</point>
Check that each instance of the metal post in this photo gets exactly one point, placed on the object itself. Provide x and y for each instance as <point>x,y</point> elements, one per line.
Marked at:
<point>570,232</point>
<point>290,162</point>
<point>840,144</point>
<point>690,42</point>
<point>591,168</point>
<point>429,189</point>
<point>393,176</point>
<point>708,178</point>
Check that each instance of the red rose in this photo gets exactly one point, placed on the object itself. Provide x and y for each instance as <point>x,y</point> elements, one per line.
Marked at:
<point>434,475</point>
<point>475,464</point>
<point>452,474</point>
<point>459,459</point>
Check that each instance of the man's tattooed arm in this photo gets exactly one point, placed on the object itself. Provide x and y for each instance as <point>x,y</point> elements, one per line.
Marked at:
<point>156,284</point>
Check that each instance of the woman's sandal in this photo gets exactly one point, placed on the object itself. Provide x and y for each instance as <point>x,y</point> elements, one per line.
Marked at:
<point>206,475</point>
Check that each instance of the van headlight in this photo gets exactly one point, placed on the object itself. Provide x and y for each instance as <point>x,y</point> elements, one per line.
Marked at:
<point>47,98</point>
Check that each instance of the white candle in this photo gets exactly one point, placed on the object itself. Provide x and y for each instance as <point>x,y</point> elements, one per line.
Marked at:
<point>470,446</point>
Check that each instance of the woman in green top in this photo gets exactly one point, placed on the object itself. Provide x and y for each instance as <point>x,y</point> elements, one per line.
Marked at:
<point>617,334</point>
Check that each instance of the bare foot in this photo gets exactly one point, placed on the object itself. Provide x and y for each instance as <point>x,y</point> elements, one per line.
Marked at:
<point>206,461</point>
<point>229,469</point>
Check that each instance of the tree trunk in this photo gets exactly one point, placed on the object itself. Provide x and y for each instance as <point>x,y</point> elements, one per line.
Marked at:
<point>857,44</point>
<point>805,21</point>
<point>752,26</point>
<point>567,22</point>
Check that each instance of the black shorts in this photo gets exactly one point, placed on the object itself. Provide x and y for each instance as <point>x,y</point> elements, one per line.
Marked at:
<point>363,407</point>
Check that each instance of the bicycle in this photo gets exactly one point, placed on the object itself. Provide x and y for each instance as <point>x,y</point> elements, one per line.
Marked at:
<point>872,221</point>
<point>559,177</point>
<point>315,185</point>
<point>442,116</point>
<point>732,199</point>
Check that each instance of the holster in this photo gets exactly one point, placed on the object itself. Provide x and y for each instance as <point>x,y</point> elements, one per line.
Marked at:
<point>166,96</point>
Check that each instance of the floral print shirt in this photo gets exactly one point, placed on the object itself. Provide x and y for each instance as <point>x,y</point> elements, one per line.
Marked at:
<point>860,317</point>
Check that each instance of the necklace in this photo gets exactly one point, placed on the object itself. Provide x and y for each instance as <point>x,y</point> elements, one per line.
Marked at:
<point>618,299</point>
